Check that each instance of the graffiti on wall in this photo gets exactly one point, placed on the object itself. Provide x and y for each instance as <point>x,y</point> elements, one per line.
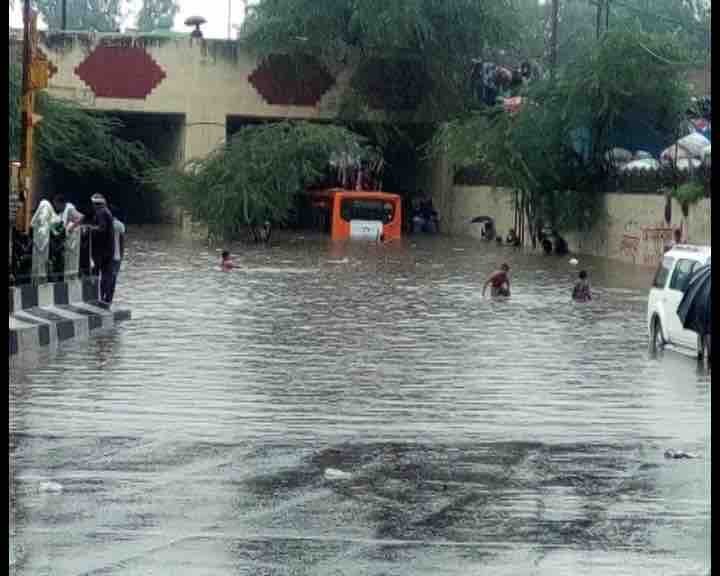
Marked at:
<point>654,239</point>
<point>646,246</point>
<point>629,247</point>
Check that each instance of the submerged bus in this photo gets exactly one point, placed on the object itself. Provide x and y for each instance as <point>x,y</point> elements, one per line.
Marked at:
<point>361,214</point>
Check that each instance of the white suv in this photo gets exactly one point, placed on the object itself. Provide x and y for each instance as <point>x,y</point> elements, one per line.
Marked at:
<point>671,281</point>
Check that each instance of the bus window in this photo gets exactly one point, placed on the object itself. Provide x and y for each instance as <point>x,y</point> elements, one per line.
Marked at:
<point>370,209</point>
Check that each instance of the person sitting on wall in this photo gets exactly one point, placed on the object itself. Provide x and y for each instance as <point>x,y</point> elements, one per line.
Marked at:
<point>487,230</point>
<point>429,216</point>
<point>512,238</point>
<point>561,246</point>
<point>546,243</point>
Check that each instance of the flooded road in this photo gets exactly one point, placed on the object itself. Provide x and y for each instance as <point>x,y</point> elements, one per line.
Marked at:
<point>361,410</point>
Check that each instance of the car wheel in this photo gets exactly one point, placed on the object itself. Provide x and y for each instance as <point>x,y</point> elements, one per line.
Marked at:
<point>704,349</point>
<point>701,345</point>
<point>708,348</point>
<point>657,341</point>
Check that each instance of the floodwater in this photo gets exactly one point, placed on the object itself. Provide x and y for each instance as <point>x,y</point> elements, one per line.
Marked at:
<point>360,410</point>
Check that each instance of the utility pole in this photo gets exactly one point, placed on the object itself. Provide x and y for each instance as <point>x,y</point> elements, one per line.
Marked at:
<point>554,37</point>
<point>64,15</point>
<point>707,56</point>
<point>34,77</point>
<point>607,15</point>
<point>229,19</point>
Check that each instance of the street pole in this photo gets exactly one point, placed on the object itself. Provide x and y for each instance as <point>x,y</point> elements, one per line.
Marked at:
<point>553,37</point>
<point>707,57</point>
<point>35,75</point>
<point>64,15</point>
<point>22,222</point>
<point>607,15</point>
<point>599,19</point>
<point>229,19</point>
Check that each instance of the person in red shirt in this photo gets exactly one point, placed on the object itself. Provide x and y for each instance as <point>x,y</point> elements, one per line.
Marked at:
<point>226,263</point>
<point>499,282</point>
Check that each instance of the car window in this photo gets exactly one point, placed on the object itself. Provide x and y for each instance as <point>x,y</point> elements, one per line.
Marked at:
<point>662,273</point>
<point>681,275</point>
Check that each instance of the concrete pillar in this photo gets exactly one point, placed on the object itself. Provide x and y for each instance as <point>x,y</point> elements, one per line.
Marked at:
<point>442,193</point>
<point>201,135</point>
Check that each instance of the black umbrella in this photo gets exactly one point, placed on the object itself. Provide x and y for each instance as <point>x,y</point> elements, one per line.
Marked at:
<point>694,309</point>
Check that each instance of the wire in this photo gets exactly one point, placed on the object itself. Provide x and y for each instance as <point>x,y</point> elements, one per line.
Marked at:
<point>654,54</point>
<point>656,15</point>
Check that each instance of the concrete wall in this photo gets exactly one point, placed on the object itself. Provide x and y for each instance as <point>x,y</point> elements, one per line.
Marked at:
<point>204,80</point>
<point>634,230</point>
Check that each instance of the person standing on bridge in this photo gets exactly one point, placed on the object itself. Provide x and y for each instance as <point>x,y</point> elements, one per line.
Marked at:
<point>71,219</point>
<point>103,246</point>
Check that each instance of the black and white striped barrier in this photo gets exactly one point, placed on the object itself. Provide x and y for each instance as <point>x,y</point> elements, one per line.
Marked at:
<point>42,316</point>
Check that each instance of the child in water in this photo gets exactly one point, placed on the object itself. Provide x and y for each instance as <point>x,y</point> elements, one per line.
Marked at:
<point>499,282</point>
<point>581,290</point>
<point>226,263</point>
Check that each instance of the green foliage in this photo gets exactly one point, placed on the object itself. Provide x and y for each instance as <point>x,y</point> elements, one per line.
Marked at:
<point>687,22</point>
<point>98,15</point>
<point>536,151</point>
<point>687,195</point>
<point>440,37</point>
<point>74,139</point>
<point>257,175</point>
<point>86,143</point>
<point>629,72</point>
<point>156,15</point>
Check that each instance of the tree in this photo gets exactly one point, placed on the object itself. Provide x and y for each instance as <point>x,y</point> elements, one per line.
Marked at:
<point>687,21</point>
<point>432,42</point>
<point>688,194</point>
<point>74,139</point>
<point>98,15</point>
<point>257,175</point>
<point>156,15</point>
<point>552,154</point>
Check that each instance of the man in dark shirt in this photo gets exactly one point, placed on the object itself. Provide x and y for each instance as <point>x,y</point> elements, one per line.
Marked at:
<point>103,246</point>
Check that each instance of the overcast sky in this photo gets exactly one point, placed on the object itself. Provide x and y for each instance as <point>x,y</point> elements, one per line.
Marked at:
<point>214,11</point>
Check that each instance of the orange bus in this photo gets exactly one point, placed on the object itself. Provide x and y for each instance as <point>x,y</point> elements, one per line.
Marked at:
<point>358,213</point>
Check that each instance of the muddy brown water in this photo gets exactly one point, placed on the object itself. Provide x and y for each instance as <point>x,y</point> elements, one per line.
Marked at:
<point>355,409</point>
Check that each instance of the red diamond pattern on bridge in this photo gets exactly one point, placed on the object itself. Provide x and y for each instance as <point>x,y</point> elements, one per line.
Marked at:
<point>120,72</point>
<point>286,81</point>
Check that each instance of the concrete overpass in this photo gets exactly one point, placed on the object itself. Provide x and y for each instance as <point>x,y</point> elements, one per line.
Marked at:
<point>182,96</point>
<point>200,87</point>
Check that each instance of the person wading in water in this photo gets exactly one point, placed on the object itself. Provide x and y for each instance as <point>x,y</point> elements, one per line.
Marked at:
<point>499,282</point>
<point>581,290</point>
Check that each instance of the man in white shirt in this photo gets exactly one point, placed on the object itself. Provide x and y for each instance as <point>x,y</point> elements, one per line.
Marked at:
<point>71,219</point>
<point>118,253</point>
